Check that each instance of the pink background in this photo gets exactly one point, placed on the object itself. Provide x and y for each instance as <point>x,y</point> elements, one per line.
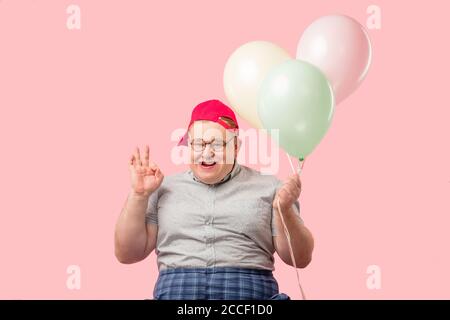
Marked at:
<point>74,103</point>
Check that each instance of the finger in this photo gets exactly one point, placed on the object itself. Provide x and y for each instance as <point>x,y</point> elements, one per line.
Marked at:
<point>159,175</point>
<point>132,160</point>
<point>153,165</point>
<point>149,171</point>
<point>295,183</point>
<point>283,196</point>
<point>296,179</point>
<point>146,156</point>
<point>298,185</point>
<point>290,192</point>
<point>292,189</point>
<point>290,184</point>
<point>137,156</point>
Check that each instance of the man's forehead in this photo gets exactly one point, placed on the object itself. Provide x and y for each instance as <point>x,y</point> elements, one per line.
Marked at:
<point>204,129</point>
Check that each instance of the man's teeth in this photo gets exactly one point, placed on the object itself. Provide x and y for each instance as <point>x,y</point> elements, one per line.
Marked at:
<point>208,163</point>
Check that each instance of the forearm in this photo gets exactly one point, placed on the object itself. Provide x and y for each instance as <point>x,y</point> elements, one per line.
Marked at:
<point>131,232</point>
<point>301,239</point>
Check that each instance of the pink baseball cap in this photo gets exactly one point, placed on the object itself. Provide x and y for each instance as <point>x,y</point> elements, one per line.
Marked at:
<point>212,110</point>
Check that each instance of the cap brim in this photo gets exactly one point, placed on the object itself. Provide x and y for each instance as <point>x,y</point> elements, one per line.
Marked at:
<point>184,140</point>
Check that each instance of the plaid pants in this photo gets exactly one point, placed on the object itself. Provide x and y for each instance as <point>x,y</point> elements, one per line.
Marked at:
<point>224,283</point>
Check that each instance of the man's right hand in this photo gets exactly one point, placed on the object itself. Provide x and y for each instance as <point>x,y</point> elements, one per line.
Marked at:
<point>145,175</point>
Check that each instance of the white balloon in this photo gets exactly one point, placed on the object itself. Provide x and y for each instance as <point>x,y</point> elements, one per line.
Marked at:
<point>244,72</point>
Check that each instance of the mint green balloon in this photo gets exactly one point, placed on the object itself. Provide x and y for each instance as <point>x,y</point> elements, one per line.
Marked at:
<point>296,98</point>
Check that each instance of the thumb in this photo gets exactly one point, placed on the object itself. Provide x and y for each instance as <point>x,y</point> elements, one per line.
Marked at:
<point>158,175</point>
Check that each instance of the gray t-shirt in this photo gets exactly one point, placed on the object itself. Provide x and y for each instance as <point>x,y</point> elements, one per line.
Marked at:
<point>229,224</point>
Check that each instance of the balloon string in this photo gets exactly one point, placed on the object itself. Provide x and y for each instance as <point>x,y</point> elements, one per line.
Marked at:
<point>286,231</point>
<point>290,162</point>
<point>300,168</point>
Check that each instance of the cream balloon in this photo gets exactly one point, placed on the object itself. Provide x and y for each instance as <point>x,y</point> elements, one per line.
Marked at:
<point>244,72</point>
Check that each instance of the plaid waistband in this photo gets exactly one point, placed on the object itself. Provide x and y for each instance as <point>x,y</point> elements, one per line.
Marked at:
<point>215,283</point>
<point>217,270</point>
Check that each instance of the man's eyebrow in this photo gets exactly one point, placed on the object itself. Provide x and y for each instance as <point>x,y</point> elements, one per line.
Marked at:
<point>212,139</point>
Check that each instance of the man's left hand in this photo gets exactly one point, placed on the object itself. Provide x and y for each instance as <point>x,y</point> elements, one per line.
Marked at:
<point>288,193</point>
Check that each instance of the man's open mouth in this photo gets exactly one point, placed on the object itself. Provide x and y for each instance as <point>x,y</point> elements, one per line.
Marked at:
<point>206,165</point>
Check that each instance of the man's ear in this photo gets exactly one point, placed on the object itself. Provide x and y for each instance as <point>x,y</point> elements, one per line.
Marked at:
<point>237,144</point>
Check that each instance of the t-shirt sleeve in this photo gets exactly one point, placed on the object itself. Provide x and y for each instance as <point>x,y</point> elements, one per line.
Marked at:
<point>151,214</point>
<point>295,206</point>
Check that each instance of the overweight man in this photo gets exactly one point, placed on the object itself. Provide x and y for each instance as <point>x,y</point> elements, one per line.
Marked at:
<point>215,227</point>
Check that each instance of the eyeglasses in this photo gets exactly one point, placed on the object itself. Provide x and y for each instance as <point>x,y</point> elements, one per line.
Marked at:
<point>199,145</point>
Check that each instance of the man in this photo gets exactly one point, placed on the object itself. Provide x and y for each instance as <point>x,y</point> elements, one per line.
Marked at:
<point>216,226</point>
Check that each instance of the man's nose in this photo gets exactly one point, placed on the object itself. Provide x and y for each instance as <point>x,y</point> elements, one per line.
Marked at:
<point>208,150</point>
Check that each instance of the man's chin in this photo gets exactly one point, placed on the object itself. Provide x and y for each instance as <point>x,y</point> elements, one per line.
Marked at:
<point>208,177</point>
